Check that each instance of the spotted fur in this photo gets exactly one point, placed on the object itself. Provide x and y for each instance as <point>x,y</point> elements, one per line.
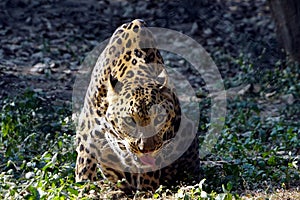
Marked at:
<point>130,114</point>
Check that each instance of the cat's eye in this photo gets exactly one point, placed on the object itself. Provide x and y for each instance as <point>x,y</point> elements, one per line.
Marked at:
<point>159,119</point>
<point>129,121</point>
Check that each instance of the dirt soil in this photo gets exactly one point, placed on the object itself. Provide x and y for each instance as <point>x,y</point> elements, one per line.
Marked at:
<point>42,43</point>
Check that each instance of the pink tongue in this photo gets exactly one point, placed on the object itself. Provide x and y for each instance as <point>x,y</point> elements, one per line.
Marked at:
<point>148,160</point>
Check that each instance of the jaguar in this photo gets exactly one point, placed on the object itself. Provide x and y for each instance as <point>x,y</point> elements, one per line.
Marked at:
<point>131,125</point>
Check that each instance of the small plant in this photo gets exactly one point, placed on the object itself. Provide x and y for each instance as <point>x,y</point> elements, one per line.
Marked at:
<point>256,150</point>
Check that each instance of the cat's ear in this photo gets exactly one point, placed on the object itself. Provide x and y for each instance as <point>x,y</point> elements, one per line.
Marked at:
<point>162,78</point>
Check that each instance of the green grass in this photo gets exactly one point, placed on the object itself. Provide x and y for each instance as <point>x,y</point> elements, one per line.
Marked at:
<point>254,151</point>
<point>36,149</point>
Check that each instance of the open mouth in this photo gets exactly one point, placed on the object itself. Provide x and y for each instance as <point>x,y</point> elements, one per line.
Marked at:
<point>147,159</point>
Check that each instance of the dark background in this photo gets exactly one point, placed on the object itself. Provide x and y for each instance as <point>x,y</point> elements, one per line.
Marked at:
<point>42,43</point>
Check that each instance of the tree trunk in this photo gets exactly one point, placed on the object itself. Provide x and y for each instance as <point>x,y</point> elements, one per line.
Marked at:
<point>287,18</point>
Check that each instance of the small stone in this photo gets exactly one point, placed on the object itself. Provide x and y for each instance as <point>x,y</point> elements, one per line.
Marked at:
<point>37,55</point>
<point>256,88</point>
<point>67,56</point>
<point>67,71</point>
<point>288,98</point>
<point>53,65</point>
<point>207,31</point>
<point>268,95</point>
<point>38,68</point>
<point>194,28</point>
